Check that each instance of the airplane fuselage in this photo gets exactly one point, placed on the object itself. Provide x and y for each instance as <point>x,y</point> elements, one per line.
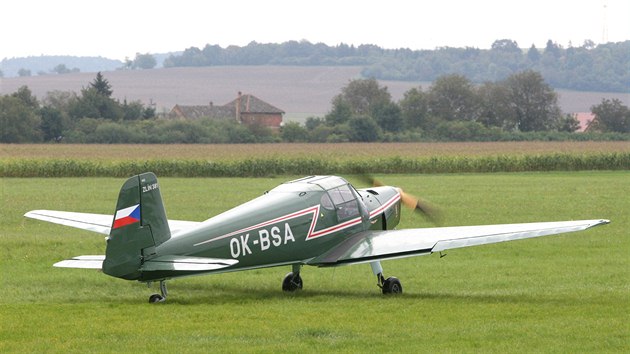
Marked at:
<point>290,224</point>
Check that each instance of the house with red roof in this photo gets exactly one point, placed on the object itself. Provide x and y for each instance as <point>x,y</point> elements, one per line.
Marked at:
<point>585,119</point>
<point>246,109</point>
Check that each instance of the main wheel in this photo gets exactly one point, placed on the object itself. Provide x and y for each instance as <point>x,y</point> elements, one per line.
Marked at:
<point>292,282</point>
<point>156,298</point>
<point>392,286</point>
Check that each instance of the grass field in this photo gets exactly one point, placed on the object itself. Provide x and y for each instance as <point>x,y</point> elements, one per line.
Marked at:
<point>566,293</point>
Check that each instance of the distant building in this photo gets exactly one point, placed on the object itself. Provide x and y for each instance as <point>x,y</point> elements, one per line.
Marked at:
<point>585,119</point>
<point>246,109</point>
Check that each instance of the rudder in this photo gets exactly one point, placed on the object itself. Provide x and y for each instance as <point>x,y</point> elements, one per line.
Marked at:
<point>139,226</point>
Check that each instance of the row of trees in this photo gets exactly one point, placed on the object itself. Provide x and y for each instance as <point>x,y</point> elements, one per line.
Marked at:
<point>141,61</point>
<point>24,119</point>
<point>521,107</point>
<point>589,67</point>
<point>516,108</point>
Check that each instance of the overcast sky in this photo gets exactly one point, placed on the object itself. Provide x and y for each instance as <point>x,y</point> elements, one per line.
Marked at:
<point>121,28</point>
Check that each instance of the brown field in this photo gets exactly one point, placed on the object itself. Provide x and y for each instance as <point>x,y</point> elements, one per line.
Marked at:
<point>345,151</point>
<point>299,91</point>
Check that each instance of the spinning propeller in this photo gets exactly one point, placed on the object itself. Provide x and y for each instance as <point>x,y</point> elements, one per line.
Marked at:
<point>419,206</point>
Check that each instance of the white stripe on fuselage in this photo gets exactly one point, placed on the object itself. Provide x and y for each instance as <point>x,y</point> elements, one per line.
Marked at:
<point>312,234</point>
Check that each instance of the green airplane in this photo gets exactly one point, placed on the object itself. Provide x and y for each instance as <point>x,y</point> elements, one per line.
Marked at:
<point>318,221</point>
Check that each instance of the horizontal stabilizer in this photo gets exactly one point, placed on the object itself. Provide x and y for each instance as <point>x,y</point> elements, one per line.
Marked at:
<point>84,262</point>
<point>186,264</point>
<point>91,222</point>
<point>100,223</point>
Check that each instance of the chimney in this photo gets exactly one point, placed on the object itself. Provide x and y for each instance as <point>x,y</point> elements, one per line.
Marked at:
<point>238,107</point>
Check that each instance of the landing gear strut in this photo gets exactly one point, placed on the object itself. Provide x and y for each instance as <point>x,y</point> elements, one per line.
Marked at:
<point>390,285</point>
<point>157,297</point>
<point>292,281</point>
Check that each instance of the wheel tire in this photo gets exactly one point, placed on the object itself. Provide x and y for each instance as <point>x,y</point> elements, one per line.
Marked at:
<point>155,298</point>
<point>292,282</point>
<point>392,286</point>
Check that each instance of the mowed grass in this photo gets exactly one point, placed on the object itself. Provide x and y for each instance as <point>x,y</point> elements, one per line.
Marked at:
<point>565,293</point>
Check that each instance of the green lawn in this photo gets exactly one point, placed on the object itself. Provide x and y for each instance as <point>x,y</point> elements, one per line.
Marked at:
<point>566,293</point>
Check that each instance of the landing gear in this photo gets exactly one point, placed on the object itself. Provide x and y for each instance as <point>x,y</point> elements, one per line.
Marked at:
<point>292,281</point>
<point>159,297</point>
<point>390,285</point>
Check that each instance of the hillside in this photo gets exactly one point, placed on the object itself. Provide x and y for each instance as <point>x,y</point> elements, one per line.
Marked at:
<point>298,90</point>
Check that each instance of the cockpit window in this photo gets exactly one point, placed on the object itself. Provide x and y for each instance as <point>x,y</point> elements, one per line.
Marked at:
<point>327,202</point>
<point>345,202</point>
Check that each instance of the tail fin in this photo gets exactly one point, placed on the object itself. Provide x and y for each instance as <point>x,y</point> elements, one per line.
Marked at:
<point>139,226</point>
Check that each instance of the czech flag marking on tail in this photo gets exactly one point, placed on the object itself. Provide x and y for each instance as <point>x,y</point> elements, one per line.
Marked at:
<point>127,216</point>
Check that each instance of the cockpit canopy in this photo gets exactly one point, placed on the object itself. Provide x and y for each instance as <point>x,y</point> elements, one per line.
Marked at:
<point>338,194</point>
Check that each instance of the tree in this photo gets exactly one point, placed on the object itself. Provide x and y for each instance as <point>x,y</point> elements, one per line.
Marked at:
<point>340,112</point>
<point>60,100</point>
<point>533,54</point>
<point>506,45</point>
<point>568,123</point>
<point>552,49</point>
<point>414,108</point>
<point>363,129</point>
<point>389,117</point>
<point>144,61</point>
<point>101,85</point>
<point>534,102</point>
<point>92,104</point>
<point>293,132</point>
<point>24,72</point>
<point>611,116</point>
<point>25,95</point>
<point>52,123</point>
<point>495,108</point>
<point>452,97</point>
<point>363,95</point>
<point>61,69</point>
<point>19,121</point>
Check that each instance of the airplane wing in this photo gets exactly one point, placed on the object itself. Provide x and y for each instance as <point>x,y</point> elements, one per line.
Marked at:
<point>377,245</point>
<point>100,223</point>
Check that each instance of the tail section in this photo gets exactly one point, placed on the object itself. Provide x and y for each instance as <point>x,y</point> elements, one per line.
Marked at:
<point>139,226</point>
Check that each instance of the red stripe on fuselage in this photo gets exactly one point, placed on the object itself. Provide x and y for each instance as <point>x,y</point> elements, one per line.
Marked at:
<point>312,234</point>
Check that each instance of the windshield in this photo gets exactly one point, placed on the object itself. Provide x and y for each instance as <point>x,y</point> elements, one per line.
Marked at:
<point>343,200</point>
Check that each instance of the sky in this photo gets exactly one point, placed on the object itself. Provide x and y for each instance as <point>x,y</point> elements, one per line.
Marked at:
<point>118,29</point>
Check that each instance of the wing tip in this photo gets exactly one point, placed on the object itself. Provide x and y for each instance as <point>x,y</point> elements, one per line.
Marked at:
<point>600,222</point>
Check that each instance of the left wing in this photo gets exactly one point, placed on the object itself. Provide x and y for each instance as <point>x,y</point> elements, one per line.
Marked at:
<point>100,223</point>
<point>371,245</point>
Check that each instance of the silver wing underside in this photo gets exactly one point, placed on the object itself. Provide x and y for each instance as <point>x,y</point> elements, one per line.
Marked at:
<point>377,245</point>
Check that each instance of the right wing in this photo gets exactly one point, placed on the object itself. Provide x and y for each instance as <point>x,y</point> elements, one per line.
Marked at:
<point>100,223</point>
<point>373,245</point>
